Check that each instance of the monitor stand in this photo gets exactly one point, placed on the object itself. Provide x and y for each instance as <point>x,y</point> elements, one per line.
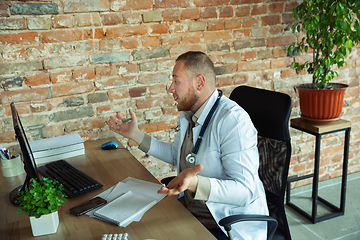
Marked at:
<point>15,194</point>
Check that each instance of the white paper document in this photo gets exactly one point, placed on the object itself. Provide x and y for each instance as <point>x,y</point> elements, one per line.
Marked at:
<point>122,210</point>
<point>127,201</point>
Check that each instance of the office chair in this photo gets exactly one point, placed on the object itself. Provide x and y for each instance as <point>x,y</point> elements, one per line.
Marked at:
<point>270,113</point>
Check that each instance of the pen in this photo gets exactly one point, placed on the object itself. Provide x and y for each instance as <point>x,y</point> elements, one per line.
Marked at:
<point>126,120</point>
<point>3,155</point>
<point>13,153</point>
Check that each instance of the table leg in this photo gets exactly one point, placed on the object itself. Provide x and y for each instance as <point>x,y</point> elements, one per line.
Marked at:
<point>344,172</point>
<point>316,178</point>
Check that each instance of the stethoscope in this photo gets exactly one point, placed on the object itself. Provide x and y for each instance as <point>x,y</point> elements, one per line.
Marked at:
<point>191,157</point>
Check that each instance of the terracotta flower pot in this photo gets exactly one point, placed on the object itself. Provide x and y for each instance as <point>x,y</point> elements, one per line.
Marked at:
<point>321,106</point>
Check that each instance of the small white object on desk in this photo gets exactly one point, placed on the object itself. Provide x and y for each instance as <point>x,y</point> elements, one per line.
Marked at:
<point>115,236</point>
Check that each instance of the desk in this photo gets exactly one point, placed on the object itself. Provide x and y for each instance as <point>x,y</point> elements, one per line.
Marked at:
<point>166,220</point>
<point>319,130</point>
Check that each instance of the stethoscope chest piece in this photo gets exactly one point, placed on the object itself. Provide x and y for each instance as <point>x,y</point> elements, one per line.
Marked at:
<point>190,158</point>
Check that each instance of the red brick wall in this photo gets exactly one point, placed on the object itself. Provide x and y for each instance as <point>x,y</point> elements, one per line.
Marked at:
<point>70,64</point>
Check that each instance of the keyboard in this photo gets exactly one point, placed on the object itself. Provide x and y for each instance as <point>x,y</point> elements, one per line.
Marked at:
<point>75,182</point>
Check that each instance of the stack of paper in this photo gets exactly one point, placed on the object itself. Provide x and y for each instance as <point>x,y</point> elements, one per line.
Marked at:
<point>56,148</point>
<point>127,201</point>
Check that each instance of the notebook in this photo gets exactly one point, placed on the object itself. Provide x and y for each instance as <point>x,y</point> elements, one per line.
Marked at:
<point>123,209</point>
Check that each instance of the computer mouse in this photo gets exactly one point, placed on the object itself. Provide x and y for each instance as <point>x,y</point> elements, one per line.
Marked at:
<point>109,145</point>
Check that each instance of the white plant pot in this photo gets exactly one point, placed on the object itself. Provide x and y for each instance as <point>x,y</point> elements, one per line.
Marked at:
<point>46,224</point>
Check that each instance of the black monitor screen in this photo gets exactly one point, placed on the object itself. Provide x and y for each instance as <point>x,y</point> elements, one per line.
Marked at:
<point>27,156</point>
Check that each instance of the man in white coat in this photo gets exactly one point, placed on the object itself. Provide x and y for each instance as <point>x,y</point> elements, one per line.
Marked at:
<point>217,176</point>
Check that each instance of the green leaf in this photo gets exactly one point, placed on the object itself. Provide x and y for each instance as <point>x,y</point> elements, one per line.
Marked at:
<point>343,50</point>
<point>349,44</point>
<point>294,13</point>
<point>337,58</point>
<point>339,9</point>
<point>317,18</point>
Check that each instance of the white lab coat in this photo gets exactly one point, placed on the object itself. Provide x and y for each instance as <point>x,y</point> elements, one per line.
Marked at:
<point>229,155</point>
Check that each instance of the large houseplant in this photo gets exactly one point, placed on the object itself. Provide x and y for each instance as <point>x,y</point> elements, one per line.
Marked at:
<point>330,28</point>
<point>41,202</point>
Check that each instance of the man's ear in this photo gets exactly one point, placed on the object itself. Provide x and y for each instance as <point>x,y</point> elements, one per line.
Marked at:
<point>200,81</point>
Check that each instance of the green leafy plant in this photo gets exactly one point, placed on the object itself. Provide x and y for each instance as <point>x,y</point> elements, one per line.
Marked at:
<point>41,198</point>
<point>331,30</point>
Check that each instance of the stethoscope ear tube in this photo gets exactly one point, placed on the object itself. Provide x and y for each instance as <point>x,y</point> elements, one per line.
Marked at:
<point>191,158</point>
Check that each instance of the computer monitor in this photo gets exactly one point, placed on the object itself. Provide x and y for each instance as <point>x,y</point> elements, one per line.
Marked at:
<point>27,156</point>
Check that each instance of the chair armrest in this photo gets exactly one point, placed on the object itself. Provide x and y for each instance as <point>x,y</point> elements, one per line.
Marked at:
<point>226,222</point>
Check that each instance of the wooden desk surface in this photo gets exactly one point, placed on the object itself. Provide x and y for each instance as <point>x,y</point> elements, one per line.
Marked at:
<point>319,128</point>
<point>166,220</point>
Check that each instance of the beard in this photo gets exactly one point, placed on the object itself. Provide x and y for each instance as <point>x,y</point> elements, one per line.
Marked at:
<point>185,103</point>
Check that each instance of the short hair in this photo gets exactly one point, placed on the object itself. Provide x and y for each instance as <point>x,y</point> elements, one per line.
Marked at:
<point>196,63</point>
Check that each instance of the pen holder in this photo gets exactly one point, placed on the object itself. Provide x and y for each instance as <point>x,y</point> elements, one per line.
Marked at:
<point>12,167</point>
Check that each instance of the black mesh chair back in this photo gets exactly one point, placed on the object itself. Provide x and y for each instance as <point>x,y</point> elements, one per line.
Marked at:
<point>270,114</point>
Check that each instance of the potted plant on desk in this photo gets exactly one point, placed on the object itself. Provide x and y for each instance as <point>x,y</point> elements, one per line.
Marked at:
<point>331,30</point>
<point>41,202</point>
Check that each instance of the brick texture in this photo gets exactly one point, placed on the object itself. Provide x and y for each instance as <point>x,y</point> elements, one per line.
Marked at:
<point>69,65</point>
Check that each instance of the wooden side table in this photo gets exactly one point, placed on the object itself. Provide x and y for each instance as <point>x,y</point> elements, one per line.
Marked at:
<point>318,130</point>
